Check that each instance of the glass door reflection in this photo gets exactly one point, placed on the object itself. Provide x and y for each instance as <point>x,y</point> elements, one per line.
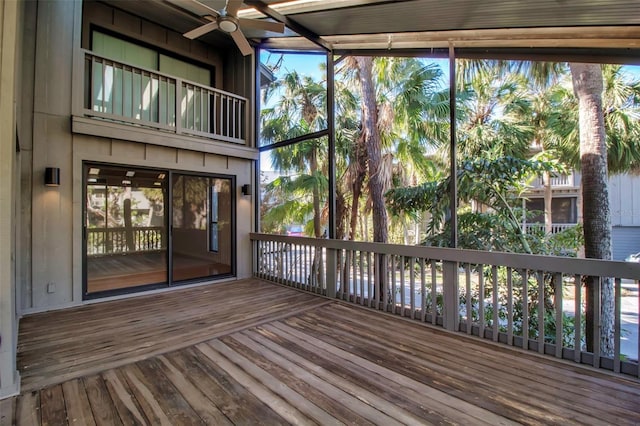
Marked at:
<point>125,228</point>
<point>201,234</point>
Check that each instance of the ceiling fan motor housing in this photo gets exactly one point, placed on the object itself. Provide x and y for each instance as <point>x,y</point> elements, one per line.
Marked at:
<point>227,23</point>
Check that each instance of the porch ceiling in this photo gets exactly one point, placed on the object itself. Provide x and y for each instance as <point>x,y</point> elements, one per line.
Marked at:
<point>422,24</point>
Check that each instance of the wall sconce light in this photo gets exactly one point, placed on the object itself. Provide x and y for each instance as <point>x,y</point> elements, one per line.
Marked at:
<point>246,189</point>
<point>52,176</point>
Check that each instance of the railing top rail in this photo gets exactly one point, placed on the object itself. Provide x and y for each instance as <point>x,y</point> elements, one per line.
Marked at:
<point>168,76</point>
<point>565,265</point>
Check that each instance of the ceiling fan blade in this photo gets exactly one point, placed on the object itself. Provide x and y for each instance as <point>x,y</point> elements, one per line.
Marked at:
<point>233,6</point>
<point>201,30</point>
<point>256,24</point>
<point>241,42</point>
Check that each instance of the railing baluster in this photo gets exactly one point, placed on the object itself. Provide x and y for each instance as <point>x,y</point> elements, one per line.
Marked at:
<point>558,301</point>
<point>323,285</point>
<point>402,286</point>
<point>104,87</point>
<point>412,286</point>
<point>385,281</point>
<point>577,341</point>
<point>481,316</point>
<point>596,320</point>
<point>525,309</point>
<point>617,325</point>
<point>354,279</point>
<point>468,305</point>
<point>423,291</point>
<point>541,286</point>
<point>496,307</point>
<point>434,293</point>
<point>394,288</point>
<point>509,306</point>
<point>361,265</point>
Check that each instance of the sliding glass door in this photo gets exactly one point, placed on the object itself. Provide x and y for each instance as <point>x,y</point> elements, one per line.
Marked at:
<point>125,228</point>
<point>154,228</point>
<point>201,233</point>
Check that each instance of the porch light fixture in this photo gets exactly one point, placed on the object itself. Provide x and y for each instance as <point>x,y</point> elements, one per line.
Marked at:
<point>246,189</point>
<point>52,176</point>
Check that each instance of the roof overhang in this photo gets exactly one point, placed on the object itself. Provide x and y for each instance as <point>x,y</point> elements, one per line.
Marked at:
<point>422,26</point>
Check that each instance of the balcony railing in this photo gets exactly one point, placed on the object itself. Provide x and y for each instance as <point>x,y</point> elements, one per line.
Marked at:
<point>556,228</point>
<point>527,301</point>
<point>124,240</point>
<point>559,181</point>
<point>124,93</point>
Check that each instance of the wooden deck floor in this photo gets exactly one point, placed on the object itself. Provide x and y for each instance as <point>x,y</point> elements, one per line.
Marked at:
<point>297,359</point>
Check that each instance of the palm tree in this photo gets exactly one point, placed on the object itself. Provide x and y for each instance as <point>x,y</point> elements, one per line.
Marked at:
<point>301,110</point>
<point>588,86</point>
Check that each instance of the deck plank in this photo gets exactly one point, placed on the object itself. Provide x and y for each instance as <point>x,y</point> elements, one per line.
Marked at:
<point>7,411</point>
<point>124,402</point>
<point>77,403</point>
<point>28,409</point>
<point>122,332</point>
<point>258,353</point>
<point>435,368</point>
<point>52,406</point>
<point>104,411</point>
<point>204,407</point>
<point>235,401</point>
<point>540,375</point>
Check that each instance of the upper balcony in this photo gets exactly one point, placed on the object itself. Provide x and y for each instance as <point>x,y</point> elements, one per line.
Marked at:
<point>561,181</point>
<point>124,93</point>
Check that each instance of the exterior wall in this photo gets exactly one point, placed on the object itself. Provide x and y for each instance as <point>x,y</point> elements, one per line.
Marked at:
<point>9,44</point>
<point>51,256</point>
<point>624,200</point>
<point>625,240</point>
<point>100,15</point>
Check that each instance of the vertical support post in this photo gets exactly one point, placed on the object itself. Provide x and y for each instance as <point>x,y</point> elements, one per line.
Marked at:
<point>9,33</point>
<point>450,295</point>
<point>332,269</point>
<point>331,117</point>
<point>453,168</point>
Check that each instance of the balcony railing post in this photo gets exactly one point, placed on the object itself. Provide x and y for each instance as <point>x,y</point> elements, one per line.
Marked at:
<point>178,106</point>
<point>332,270</point>
<point>450,295</point>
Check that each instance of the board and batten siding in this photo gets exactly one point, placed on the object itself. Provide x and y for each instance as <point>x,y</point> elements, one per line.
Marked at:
<point>51,253</point>
<point>624,200</point>
<point>625,240</point>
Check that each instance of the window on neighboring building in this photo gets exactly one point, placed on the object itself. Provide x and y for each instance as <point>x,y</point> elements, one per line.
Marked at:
<point>563,210</point>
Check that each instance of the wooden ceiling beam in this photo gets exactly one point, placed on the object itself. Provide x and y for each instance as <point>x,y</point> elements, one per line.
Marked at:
<point>564,37</point>
<point>290,23</point>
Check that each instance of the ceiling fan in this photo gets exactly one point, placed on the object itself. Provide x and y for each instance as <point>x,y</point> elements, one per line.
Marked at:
<point>227,21</point>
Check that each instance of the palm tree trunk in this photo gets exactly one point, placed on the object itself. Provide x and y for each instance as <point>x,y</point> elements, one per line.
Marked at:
<point>588,86</point>
<point>373,145</point>
<point>374,155</point>
<point>358,182</point>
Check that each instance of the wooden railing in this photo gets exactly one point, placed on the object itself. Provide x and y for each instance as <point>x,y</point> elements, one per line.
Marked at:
<point>123,240</point>
<point>540,227</point>
<point>559,181</point>
<point>528,301</point>
<point>120,92</point>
